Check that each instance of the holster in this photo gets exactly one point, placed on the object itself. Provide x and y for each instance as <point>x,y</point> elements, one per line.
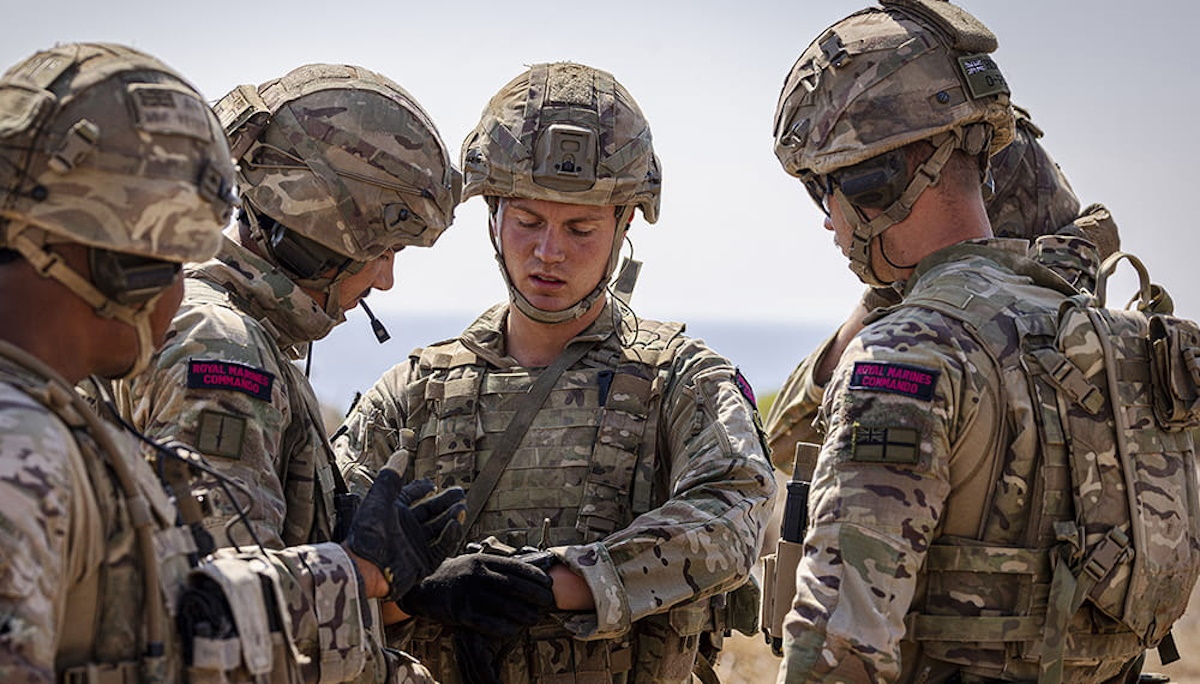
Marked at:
<point>779,568</point>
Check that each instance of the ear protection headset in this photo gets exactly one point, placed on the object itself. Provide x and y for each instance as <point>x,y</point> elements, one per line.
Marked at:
<point>130,279</point>
<point>304,257</point>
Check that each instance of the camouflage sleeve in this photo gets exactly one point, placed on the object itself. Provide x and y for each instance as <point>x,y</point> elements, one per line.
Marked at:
<point>41,550</point>
<point>706,537</point>
<point>368,436</point>
<point>879,491</point>
<point>323,598</point>
<point>790,420</point>
<point>217,385</point>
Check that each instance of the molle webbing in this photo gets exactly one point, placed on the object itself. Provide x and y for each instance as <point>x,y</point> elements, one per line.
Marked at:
<point>618,484</point>
<point>1108,493</point>
<point>451,394</point>
<point>616,472</point>
<point>1016,554</point>
<point>91,646</point>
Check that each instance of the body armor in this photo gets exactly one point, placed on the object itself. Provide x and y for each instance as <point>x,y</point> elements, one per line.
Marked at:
<point>1050,533</point>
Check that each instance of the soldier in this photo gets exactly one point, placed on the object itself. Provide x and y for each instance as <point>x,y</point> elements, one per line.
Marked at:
<point>338,169</point>
<point>1031,197</point>
<point>923,515</point>
<point>629,450</point>
<point>113,171</point>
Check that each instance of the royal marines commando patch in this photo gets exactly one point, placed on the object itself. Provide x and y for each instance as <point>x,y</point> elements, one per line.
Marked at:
<point>230,376</point>
<point>897,378</point>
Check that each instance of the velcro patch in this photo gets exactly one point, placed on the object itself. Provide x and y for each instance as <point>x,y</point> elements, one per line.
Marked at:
<point>221,434</point>
<point>231,376</point>
<point>885,445</point>
<point>983,76</point>
<point>897,378</point>
<point>163,108</point>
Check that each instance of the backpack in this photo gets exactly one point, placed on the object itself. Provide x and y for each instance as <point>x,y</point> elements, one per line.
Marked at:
<point>1135,550</point>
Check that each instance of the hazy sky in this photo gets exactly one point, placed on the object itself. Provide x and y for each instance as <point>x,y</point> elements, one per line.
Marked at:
<point>1112,83</point>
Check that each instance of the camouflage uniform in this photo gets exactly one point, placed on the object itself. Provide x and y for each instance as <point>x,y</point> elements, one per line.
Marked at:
<point>646,461</point>
<point>243,322</point>
<point>346,166</point>
<point>112,154</point>
<point>72,574</point>
<point>941,509</point>
<point>1032,197</point>
<point>907,467</point>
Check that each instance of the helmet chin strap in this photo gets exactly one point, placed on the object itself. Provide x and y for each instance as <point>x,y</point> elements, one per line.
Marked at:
<point>576,310</point>
<point>50,265</point>
<point>863,230</point>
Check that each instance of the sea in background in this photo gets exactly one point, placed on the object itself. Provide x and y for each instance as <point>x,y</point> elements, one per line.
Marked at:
<point>349,360</point>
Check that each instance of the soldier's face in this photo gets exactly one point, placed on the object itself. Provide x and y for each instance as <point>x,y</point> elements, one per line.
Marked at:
<point>555,253</point>
<point>377,274</point>
<point>843,232</point>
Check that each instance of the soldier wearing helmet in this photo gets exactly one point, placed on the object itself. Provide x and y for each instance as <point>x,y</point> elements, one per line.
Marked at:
<point>1030,197</point>
<point>113,171</point>
<point>338,169</point>
<point>618,445</point>
<point>889,118</point>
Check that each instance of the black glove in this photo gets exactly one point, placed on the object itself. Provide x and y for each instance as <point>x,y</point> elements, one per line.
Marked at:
<point>496,596</point>
<point>406,541</point>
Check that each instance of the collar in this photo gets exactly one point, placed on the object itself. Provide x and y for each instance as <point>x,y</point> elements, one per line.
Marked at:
<point>485,337</point>
<point>264,292</point>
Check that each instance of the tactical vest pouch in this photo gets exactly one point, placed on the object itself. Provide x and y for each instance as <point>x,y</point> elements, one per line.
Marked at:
<point>1109,522</point>
<point>1175,372</point>
<point>741,607</point>
<point>667,644</point>
<point>227,635</point>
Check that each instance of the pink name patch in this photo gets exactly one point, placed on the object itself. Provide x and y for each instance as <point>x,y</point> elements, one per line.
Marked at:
<point>231,376</point>
<point>910,381</point>
<point>744,386</point>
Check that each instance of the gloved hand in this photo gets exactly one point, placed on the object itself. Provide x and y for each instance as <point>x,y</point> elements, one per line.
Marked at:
<point>404,533</point>
<point>496,596</point>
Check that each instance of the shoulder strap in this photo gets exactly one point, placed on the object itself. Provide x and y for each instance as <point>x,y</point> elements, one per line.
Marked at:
<point>57,397</point>
<point>486,481</point>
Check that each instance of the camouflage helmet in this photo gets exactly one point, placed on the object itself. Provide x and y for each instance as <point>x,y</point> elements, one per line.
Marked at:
<point>886,77</point>
<point>874,83</point>
<point>1031,196</point>
<point>108,147</point>
<point>569,133</point>
<point>342,156</point>
<point>564,132</point>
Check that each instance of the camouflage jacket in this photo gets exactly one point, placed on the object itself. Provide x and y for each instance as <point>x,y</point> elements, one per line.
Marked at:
<point>793,415</point>
<point>224,383</point>
<point>72,579</point>
<point>915,414</point>
<point>698,532</point>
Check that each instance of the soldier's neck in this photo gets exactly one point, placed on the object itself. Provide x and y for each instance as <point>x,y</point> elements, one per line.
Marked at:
<point>536,345</point>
